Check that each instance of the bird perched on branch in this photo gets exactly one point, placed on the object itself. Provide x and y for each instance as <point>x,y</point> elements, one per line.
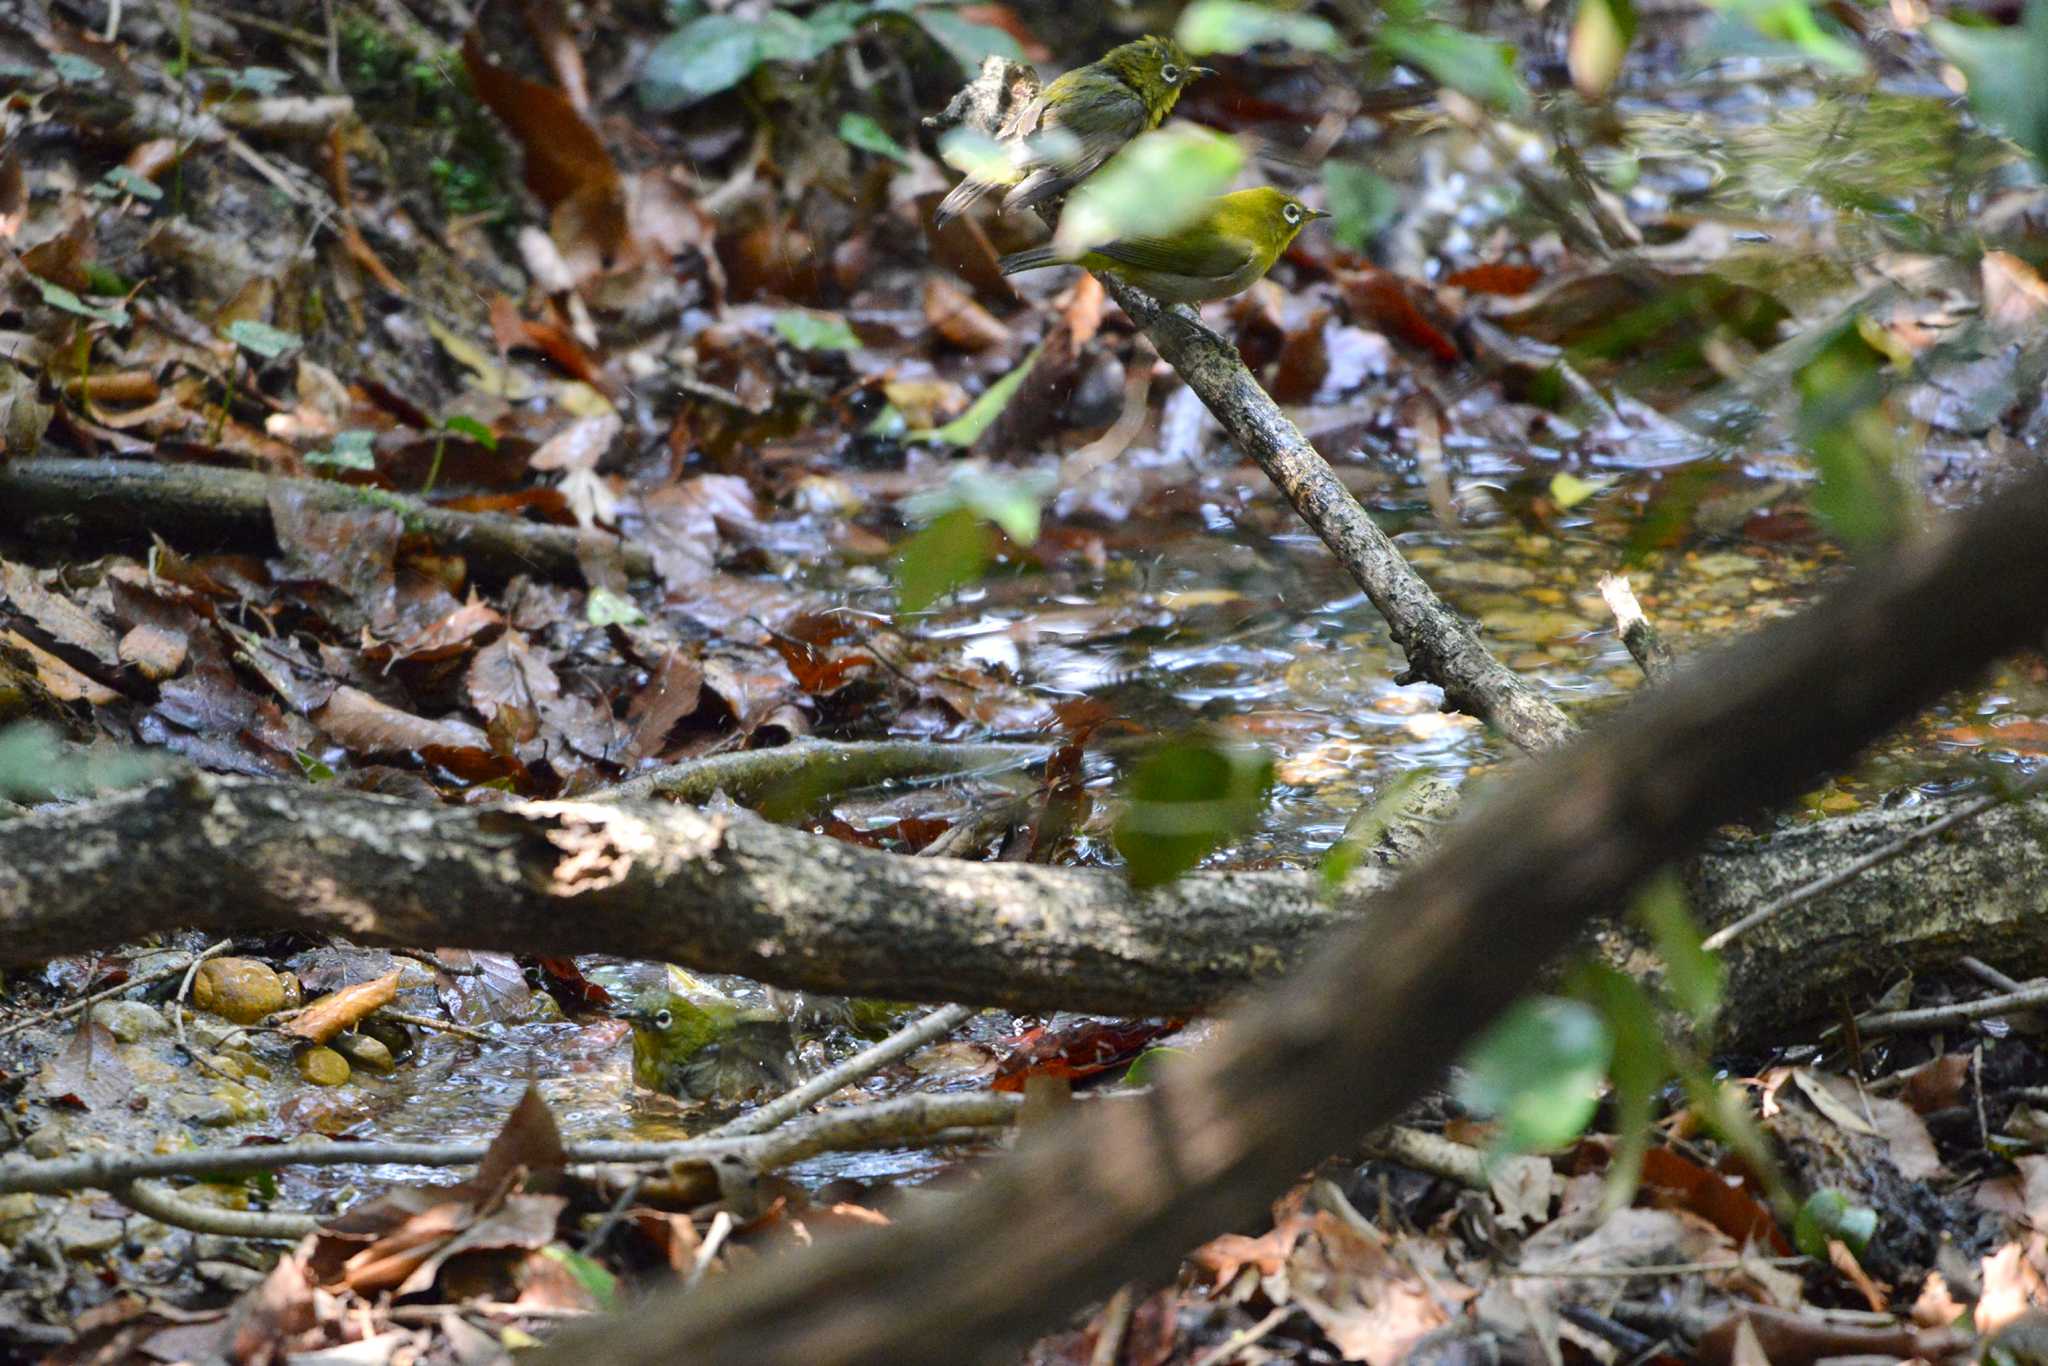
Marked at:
<point>1231,244</point>
<point>1076,123</point>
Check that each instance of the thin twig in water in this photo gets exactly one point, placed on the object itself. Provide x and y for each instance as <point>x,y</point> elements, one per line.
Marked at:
<point>1849,871</point>
<point>1961,1012</point>
<point>898,1122</point>
<point>865,1063</point>
<point>1623,1273</point>
<point>430,1023</point>
<point>1243,1338</point>
<point>88,1002</point>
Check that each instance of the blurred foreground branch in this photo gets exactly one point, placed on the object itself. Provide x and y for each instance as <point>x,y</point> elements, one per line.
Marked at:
<point>1374,1017</point>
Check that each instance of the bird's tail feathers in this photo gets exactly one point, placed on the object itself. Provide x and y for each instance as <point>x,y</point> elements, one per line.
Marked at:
<point>959,199</point>
<point>1032,259</point>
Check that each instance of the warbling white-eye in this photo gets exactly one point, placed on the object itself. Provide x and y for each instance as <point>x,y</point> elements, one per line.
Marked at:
<point>1234,241</point>
<point>1076,123</point>
<point>710,1048</point>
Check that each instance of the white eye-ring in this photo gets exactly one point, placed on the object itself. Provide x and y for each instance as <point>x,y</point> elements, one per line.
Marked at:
<point>662,1019</point>
<point>1169,73</point>
<point>1292,213</point>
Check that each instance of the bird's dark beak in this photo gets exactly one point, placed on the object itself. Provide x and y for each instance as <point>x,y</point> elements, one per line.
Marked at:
<point>1197,72</point>
<point>1314,214</point>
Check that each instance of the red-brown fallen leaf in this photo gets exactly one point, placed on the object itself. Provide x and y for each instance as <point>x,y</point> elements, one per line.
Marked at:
<point>1674,1182</point>
<point>1084,310</point>
<point>514,332</point>
<point>567,984</point>
<point>1875,1293</point>
<point>1384,299</point>
<point>2013,1284</point>
<point>674,692</point>
<point>1937,1084</point>
<point>1228,1254</point>
<point>62,621</point>
<point>951,312</point>
<point>367,726</point>
<point>816,670</point>
<point>567,166</point>
<point>2029,737</point>
<point>340,1011</point>
<point>156,652</point>
<point>1498,277</point>
<point>1372,1305</point>
<point>446,638</point>
<point>1791,1338</point>
<point>1080,1048</point>
<point>89,1073</point>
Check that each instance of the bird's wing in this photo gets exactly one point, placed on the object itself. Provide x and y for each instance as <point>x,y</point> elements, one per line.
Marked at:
<point>1076,134</point>
<point>1204,256</point>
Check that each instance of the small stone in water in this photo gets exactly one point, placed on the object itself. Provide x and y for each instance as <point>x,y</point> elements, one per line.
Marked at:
<point>322,1066</point>
<point>364,1051</point>
<point>238,989</point>
<point>129,1021</point>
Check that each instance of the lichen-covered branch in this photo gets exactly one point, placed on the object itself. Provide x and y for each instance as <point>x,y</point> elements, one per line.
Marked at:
<point>731,893</point>
<point>202,503</point>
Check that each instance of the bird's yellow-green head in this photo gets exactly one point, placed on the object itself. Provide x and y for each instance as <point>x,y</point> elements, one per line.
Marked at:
<point>668,1031</point>
<point>1269,217</point>
<point>1157,68</point>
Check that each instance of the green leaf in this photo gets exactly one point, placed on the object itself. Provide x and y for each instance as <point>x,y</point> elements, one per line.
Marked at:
<point>1793,26</point>
<point>1236,25</point>
<point>1185,798</point>
<point>702,58</point>
<point>76,70</point>
<point>809,331</point>
<point>966,41</point>
<point>256,80</point>
<point>1365,830</point>
<point>463,425</point>
<point>952,551</point>
<point>1538,1069</point>
<point>266,341</point>
<point>1479,67</point>
<point>2005,69</point>
<point>973,152</point>
<point>1639,1068</point>
<point>1156,183</point>
<point>1863,496</point>
<point>1691,974</point>
<point>1012,503</point>
<point>315,769</point>
<point>864,133</point>
<point>352,450</point>
<point>967,428</point>
<point>1147,1067</point>
<point>1361,201</point>
<point>36,765</point>
<point>1829,1214</point>
<point>1568,490</point>
<point>605,608</point>
<point>591,1275</point>
<point>131,182</point>
<point>56,296</point>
